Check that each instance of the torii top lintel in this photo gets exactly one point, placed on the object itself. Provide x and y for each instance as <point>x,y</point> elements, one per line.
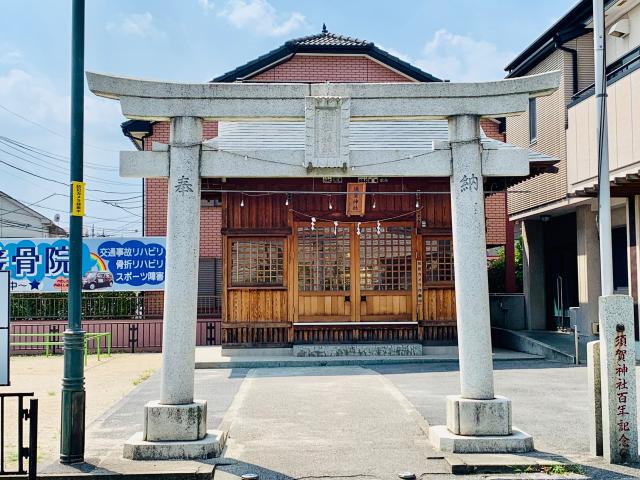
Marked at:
<point>152,100</point>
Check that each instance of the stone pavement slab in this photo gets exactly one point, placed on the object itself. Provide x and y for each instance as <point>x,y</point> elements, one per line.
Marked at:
<point>105,437</point>
<point>212,358</point>
<point>326,422</point>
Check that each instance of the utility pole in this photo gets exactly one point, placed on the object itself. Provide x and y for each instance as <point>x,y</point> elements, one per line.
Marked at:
<point>604,194</point>
<point>73,393</point>
<point>612,359</point>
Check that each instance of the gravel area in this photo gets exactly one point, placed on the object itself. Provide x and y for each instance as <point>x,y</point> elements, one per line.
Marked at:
<point>106,381</point>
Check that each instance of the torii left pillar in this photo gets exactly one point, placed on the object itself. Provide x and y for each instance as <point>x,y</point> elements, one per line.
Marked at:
<point>175,426</point>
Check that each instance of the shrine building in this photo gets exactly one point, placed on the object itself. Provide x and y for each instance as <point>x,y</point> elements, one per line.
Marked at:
<point>336,259</point>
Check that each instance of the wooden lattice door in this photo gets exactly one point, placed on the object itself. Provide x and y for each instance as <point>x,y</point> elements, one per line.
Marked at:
<point>324,273</point>
<point>386,273</point>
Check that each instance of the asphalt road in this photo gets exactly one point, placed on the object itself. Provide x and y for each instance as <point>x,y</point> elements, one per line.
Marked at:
<point>356,422</point>
<point>550,402</point>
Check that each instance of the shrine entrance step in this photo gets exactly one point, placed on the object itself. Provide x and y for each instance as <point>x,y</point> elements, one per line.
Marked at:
<point>357,349</point>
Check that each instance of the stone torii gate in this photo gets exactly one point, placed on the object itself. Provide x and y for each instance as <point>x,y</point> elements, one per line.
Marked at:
<point>477,420</point>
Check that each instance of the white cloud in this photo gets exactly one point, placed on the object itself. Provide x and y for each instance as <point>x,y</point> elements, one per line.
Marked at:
<point>136,24</point>
<point>9,56</point>
<point>261,17</point>
<point>33,97</point>
<point>37,99</point>
<point>462,58</point>
<point>45,106</point>
<point>207,5</point>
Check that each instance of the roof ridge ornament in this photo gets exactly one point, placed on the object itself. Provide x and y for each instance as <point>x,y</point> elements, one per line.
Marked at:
<point>324,28</point>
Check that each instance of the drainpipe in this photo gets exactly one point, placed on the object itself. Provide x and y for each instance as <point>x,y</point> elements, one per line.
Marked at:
<point>574,63</point>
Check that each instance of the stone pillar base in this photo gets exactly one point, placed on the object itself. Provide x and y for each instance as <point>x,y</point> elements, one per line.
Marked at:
<point>170,423</point>
<point>478,417</point>
<point>136,448</point>
<point>445,441</point>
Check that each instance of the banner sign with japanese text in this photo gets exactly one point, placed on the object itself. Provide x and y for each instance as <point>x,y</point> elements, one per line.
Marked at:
<point>108,264</point>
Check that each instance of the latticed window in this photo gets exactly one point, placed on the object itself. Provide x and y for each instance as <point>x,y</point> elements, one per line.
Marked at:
<point>438,260</point>
<point>385,258</point>
<point>257,262</point>
<point>323,259</point>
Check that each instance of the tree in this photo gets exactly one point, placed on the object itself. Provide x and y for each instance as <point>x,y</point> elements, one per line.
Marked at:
<point>496,269</point>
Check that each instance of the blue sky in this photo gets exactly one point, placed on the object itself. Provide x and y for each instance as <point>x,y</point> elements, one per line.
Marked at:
<point>195,40</point>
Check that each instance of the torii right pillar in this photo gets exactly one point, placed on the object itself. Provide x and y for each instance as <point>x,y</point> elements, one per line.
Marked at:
<point>477,420</point>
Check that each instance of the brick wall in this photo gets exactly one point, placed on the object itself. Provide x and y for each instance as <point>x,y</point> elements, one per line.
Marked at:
<point>495,214</point>
<point>495,208</point>
<point>491,129</point>
<point>330,68</point>
<point>210,238</point>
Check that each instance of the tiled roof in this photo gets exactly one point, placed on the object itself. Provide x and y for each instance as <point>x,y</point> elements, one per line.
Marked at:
<point>323,42</point>
<point>328,39</point>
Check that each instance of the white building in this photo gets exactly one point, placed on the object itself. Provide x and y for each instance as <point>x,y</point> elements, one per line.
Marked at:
<point>19,221</point>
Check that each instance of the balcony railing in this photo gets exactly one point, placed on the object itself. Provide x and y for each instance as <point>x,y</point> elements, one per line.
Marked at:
<point>615,71</point>
<point>623,90</point>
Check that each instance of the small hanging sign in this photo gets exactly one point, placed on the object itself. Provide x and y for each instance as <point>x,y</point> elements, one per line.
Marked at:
<point>356,199</point>
<point>419,281</point>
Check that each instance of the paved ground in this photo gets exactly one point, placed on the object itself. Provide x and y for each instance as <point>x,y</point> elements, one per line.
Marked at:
<point>550,402</point>
<point>107,381</point>
<point>359,422</point>
<point>549,399</point>
<point>106,435</point>
<point>338,421</point>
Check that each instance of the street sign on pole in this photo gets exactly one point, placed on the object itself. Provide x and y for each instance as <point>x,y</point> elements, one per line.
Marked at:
<point>4,328</point>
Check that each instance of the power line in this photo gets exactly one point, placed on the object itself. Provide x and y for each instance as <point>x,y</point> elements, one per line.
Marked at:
<point>46,153</point>
<point>124,220</point>
<point>53,132</point>
<point>59,182</point>
<point>27,205</point>
<point>64,164</point>
<point>121,219</point>
<point>55,168</point>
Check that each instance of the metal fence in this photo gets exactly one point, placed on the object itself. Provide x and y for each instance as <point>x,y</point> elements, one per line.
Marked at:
<point>134,321</point>
<point>126,335</point>
<point>104,306</point>
<point>12,463</point>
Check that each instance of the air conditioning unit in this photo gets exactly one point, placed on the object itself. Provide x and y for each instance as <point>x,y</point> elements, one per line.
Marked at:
<point>620,29</point>
<point>595,328</point>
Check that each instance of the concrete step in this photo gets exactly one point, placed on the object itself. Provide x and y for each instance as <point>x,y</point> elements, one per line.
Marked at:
<point>357,349</point>
<point>553,346</point>
<point>215,357</point>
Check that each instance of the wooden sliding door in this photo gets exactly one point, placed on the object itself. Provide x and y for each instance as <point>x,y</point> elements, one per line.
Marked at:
<point>324,261</point>
<point>386,278</point>
<point>347,273</point>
